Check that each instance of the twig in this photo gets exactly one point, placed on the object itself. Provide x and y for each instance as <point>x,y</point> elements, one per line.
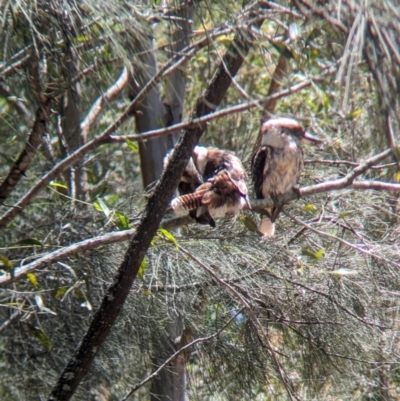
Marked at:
<point>19,105</point>
<point>347,163</point>
<point>14,316</point>
<point>191,344</point>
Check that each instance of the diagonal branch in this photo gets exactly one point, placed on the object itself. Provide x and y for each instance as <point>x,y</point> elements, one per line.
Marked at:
<point>82,246</point>
<point>346,181</point>
<point>117,293</point>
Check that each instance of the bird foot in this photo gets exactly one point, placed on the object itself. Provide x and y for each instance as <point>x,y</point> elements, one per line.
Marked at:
<point>296,190</point>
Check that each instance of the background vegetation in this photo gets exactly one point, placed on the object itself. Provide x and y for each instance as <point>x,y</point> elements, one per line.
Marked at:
<point>311,314</point>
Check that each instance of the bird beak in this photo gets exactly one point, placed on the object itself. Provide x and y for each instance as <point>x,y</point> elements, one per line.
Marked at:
<point>311,137</point>
<point>247,202</point>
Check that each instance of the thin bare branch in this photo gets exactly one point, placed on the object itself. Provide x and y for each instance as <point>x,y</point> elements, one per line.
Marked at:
<point>82,246</point>
<point>17,102</point>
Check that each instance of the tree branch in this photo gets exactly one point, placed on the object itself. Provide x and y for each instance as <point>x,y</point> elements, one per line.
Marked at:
<point>157,203</point>
<point>120,236</point>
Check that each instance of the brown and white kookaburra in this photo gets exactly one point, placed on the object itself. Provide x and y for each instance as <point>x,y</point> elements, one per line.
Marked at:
<point>277,164</point>
<point>212,185</point>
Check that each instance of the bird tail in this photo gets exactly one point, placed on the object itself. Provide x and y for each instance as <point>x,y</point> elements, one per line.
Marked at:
<point>266,227</point>
<point>186,203</point>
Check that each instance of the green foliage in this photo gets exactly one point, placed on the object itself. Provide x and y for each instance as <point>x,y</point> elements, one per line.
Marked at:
<point>328,312</point>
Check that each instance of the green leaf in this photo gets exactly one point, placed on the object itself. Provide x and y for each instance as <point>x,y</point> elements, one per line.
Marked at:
<point>100,205</point>
<point>132,145</point>
<point>344,214</point>
<point>32,278</point>
<point>316,255</point>
<point>326,101</point>
<point>79,294</point>
<point>41,336</point>
<point>5,263</point>
<point>354,114</point>
<point>30,241</point>
<point>60,292</point>
<point>57,185</point>
<point>309,207</point>
<point>167,235</point>
<point>82,38</point>
<point>142,268</point>
<point>121,221</point>
<point>250,224</point>
<point>320,254</point>
<point>146,291</point>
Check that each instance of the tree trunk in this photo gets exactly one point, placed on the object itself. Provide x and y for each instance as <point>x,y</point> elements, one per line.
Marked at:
<point>171,382</point>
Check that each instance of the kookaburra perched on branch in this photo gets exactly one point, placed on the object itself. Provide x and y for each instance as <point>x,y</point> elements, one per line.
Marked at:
<point>212,185</point>
<point>277,164</point>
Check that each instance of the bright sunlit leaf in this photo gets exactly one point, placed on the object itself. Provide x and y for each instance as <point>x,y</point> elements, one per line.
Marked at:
<point>33,280</point>
<point>142,268</point>
<point>58,185</point>
<point>5,263</point>
<point>167,235</point>
<point>132,145</point>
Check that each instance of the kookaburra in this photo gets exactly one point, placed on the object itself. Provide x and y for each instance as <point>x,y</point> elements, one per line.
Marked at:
<point>212,185</point>
<point>277,164</point>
